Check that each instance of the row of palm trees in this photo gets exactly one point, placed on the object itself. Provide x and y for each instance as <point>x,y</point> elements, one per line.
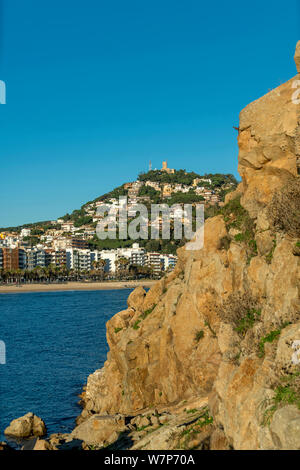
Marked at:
<point>54,274</point>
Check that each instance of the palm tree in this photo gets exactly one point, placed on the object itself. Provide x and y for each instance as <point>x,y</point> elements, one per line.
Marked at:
<point>122,265</point>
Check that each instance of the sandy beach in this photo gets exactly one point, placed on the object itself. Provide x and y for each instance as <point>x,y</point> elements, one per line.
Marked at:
<point>12,289</point>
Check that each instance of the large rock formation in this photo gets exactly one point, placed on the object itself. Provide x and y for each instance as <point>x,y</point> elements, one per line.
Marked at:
<point>225,324</point>
<point>267,142</point>
<point>28,425</point>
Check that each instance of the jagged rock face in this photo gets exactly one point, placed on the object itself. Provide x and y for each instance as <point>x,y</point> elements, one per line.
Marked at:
<point>267,146</point>
<point>186,338</point>
<point>155,354</point>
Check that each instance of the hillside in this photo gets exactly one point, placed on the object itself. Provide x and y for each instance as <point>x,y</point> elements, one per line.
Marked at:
<point>153,187</point>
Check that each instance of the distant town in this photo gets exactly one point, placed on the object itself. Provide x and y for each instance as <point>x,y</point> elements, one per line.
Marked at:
<point>69,249</point>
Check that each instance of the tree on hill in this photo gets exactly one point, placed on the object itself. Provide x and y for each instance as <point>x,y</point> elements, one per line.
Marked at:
<point>184,198</point>
<point>115,193</point>
<point>179,177</point>
<point>187,178</point>
<point>154,195</point>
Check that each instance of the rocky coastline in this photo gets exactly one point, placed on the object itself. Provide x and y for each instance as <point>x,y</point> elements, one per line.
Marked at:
<point>209,357</point>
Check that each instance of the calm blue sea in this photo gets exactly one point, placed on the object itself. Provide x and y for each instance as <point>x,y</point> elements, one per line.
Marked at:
<point>54,340</point>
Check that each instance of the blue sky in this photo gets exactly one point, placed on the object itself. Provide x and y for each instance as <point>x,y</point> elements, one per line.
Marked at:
<point>96,89</point>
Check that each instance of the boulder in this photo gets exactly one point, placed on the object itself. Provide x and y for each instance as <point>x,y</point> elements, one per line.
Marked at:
<point>143,422</point>
<point>26,426</point>
<point>41,444</point>
<point>99,430</point>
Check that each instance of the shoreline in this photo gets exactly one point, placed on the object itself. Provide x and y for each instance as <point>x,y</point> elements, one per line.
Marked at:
<point>71,286</point>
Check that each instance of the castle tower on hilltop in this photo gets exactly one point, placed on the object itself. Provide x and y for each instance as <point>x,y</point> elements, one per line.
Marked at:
<point>165,167</point>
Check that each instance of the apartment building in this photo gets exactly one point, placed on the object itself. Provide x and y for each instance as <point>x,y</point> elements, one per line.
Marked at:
<point>138,258</point>
<point>10,241</point>
<point>22,258</point>
<point>10,258</point>
<point>35,258</point>
<point>154,261</point>
<point>25,232</point>
<point>79,244</point>
<point>39,257</point>
<point>67,226</point>
<point>59,258</point>
<point>82,260</point>
<point>47,238</point>
<point>137,255</point>
<point>95,257</point>
<point>134,254</point>
<point>110,257</point>
<point>168,262</point>
<point>61,243</point>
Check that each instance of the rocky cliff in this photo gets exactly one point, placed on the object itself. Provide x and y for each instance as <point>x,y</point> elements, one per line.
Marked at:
<point>224,327</point>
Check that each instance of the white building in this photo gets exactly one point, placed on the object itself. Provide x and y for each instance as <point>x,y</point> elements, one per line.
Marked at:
<point>47,238</point>
<point>153,184</point>
<point>110,256</point>
<point>61,243</point>
<point>134,254</point>
<point>168,262</point>
<point>67,226</point>
<point>10,242</point>
<point>138,255</point>
<point>25,232</point>
<point>79,260</point>
<point>153,261</point>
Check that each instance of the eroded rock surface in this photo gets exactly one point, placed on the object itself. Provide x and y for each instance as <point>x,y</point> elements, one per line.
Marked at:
<point>225,322</point>
<point>26,426</point>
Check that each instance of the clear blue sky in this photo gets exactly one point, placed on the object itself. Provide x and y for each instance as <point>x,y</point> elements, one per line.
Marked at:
<point>95,89</point>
